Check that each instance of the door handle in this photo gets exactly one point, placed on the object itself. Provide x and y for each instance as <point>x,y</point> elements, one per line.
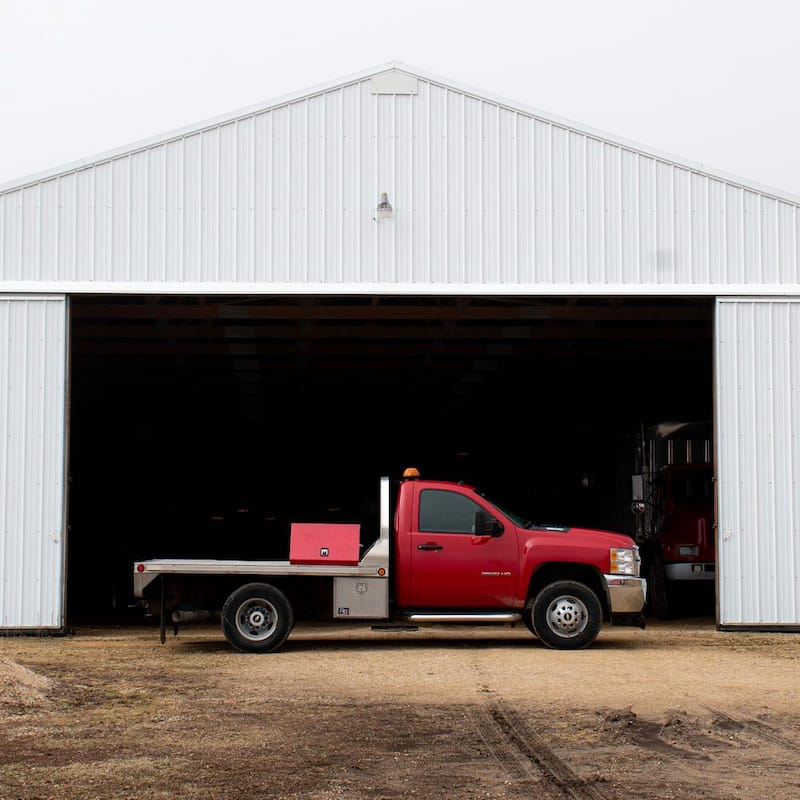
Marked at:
<point>430,547</point>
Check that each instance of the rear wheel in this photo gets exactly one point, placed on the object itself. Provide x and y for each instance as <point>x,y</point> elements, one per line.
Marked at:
<point>566,615</point>
<point>257,618</point>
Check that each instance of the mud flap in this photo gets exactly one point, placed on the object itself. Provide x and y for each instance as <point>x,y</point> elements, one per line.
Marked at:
<point>636,620</point>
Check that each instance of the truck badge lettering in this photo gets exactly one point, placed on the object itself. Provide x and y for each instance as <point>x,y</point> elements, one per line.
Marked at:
<point>495,574</point>
<point>343,612</point>
<point>323,552</point>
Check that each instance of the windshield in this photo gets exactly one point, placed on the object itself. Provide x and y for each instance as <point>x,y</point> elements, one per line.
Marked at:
<point>692,487</point>
<point>518,520</point>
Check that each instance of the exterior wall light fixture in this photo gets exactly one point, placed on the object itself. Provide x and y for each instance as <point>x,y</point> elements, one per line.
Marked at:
<point>385,210</point>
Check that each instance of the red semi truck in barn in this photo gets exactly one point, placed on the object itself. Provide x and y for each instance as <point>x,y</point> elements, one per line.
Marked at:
<point>673,503</point>
<point>451,555</point>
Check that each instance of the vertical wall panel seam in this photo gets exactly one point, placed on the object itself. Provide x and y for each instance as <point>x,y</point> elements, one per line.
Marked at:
<point>586,205</point>
<point>603,196</point>
<point>255,270</point>
<point>497,272</point>
<point>40,235</point>
<point>91,232</point>
<point>568,225</point>
<point>515,195</point>
<point>129,216</point>
<point>322,213</point>
<point>638,194</point>
<point>21,235</point>
<point>796,223</point>
<point>737,530</point>
<point>428,172</point>
<point>533,267</point>
<point>753,432</point>
<point>164,214</point>
<point>217,266</point>
<point>146,268</point>
<point>390,272</point>
<point>464,183</point>
<point>707,242</point>
<point>269,252</point>
<point>41,427</point>
<point>481,192</point>
<point>305,209</point>
<point>22,429</point>
<point>449,271</point>
<point>375,155</point>
<point>550,191</point>
<point>673,221</point>
<point>235,211</point>
<point>725,243</point>
<point>773,416</point>
<point>185,218</point>
<point>413,188</point>
<point>339,267</point>
<point>794,534</point>
<point>693,230</point>
<point>759,265</point>
<point>5,539</point>
<point>358,267</point>
<point>3,265</point>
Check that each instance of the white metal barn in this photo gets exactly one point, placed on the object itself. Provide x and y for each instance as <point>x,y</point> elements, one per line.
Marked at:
<point>474,244</point>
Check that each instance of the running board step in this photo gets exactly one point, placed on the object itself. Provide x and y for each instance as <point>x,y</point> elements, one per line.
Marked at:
<point>489,616</point>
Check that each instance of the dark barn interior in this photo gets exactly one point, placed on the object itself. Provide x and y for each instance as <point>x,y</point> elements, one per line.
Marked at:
<point>201,426</point>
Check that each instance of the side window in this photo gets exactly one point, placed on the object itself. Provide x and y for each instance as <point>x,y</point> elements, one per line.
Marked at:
<point>446,512</point>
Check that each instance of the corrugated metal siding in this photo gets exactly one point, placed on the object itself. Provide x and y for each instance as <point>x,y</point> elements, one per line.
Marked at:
<point>758,431</point>
<point>483,195</point>
<point>32,415</point>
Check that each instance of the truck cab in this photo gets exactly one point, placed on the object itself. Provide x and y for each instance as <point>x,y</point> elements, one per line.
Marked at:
<point>458,553</point>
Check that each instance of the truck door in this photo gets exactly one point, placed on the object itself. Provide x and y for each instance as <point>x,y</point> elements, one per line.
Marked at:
<point>452,566</point>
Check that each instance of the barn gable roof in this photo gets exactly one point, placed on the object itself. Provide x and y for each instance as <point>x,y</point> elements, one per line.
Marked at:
<point>422,74</point>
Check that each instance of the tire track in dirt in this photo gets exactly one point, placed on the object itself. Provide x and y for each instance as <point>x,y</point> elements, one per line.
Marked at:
<point>753,727</point>
<point>522,752</point>
<point>515,745</point>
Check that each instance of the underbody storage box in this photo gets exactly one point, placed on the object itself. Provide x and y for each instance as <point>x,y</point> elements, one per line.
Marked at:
<point>324,543</point>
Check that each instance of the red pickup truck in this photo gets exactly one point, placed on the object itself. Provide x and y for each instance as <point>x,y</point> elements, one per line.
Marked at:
<point>449,555</point>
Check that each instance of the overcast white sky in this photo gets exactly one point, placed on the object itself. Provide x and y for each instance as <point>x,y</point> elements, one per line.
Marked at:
<point>712,81</point>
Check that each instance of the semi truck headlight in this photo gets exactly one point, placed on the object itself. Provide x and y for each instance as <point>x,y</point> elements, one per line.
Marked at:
<point>624,561</point>
<point>687,550</point>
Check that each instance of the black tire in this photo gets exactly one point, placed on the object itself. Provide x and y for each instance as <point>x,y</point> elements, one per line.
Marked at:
<point>566,615</point>
<point>527,618</point>
<point>257,618</point>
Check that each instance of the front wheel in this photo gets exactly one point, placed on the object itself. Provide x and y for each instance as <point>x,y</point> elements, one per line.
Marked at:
<point>257,618</point>
<point>566,615</point>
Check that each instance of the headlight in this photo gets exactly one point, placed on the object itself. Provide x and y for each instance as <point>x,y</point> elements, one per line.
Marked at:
<point>688,550</point>
<point>624,560</point>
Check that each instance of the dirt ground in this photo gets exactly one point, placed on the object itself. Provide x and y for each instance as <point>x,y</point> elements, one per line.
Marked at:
<point>678,710</point>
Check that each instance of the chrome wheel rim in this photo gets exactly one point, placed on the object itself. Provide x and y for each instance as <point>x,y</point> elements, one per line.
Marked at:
<point>256,619</point>
<point>567,616</point>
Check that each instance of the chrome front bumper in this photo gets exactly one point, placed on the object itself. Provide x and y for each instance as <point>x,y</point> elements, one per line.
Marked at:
<point>625,595</point>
